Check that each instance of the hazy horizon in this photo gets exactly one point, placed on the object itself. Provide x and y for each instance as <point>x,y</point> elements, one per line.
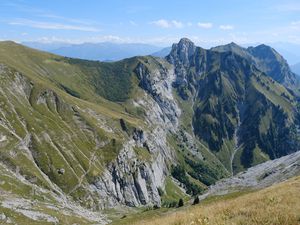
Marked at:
<point>158,23</point>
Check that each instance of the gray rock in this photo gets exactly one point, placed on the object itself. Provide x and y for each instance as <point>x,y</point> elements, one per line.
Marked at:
<point>2,216</point>
<point>61,171</point>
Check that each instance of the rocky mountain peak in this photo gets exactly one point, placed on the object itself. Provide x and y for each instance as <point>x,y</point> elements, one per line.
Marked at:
<point>264,51</point>
<point>182,51</point>
<point>266,59</point>
<point>272,63</point>
<point>233,44</point>
<point>185,42</point>
<point>232,47</point>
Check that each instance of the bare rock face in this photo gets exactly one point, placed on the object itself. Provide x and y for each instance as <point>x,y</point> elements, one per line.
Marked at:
<point>182,57</point>
<point>128,180</point>
<point>158,84</point>
<point>182,52</point>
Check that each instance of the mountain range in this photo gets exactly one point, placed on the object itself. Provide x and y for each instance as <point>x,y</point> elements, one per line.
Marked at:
<point>79,136</point>
<point>104,51</point>
<point>110,51</point>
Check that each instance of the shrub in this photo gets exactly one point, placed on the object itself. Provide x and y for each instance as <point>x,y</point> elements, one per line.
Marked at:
<point>180,203</point>
<point>179,173</point>
<point>196,201</point>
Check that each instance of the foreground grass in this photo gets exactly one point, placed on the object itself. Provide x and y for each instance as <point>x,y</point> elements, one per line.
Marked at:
<point>276,205</point>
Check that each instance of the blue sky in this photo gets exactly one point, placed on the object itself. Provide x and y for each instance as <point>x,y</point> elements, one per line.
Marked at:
<point>159,22</point>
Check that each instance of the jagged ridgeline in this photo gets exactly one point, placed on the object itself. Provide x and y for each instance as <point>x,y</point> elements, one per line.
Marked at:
<point>119,133</point>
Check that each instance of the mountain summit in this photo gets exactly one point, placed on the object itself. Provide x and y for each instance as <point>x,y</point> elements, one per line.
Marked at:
<point>272,63</point>
<point>268,60</point>
<point>182,51</point>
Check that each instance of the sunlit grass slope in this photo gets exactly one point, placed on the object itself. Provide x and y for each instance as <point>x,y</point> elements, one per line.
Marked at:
<point>276,205</point>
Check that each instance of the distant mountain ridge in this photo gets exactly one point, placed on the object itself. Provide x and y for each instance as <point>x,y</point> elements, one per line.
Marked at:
<point>105,51</point>
<point>163,52</point>
<point>288,50</point>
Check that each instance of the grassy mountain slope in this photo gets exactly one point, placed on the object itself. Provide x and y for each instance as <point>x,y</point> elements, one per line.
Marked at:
<point>45,132</point>
<point>274,205</point>
<point>79,77</point>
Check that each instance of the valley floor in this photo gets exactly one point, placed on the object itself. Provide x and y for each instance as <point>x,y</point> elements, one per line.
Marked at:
<point>275,205</point>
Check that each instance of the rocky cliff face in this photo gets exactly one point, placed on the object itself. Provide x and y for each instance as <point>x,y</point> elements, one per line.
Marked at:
<point>128,179</point>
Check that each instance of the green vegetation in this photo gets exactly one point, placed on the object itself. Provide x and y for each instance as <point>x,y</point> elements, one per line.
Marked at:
<point>172,194</point>
<point>204,172</point>
<point>179,173</point>
<point>180,203</point>
<point>110,80</point>
<point>142,153</point>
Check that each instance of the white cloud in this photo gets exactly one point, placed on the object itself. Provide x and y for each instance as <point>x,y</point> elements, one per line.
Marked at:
<point>161,23</point>
<point>52,26</point>
<point>177,24</point>
<point>226,27</point>
<point>205,25</point>
<point>167,24</point>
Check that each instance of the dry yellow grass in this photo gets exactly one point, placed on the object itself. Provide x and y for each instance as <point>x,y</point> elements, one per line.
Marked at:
<point>276,205</point>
